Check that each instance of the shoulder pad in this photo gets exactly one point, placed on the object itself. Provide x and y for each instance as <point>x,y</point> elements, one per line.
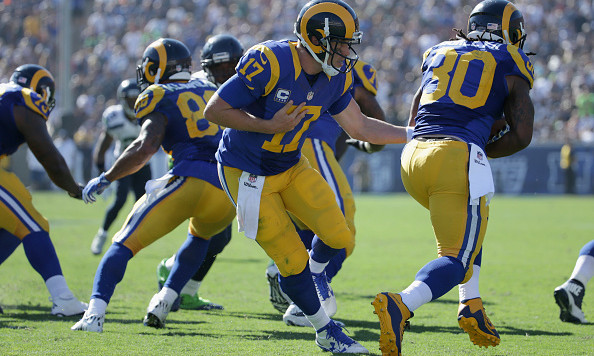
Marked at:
<point>148,99</point>
<point>523,63</point>
<point>367,75</point>
<point>259,69</point>
<point>35,102</point>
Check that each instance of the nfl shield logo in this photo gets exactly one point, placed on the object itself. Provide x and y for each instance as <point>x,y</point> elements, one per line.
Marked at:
<point>479,155</point>
<point>253,178</point>
<point>310,95</point>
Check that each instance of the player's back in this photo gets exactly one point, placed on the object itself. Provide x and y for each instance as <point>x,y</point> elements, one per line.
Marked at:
<point>12,95</point>
<point>188,135</point>
<point>464,87</point>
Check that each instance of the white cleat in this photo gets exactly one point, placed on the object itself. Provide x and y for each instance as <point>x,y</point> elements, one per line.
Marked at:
<point>325,293</point>
<point>295,317</point>
<point>91,322</point>
<point>157,312</point>
<point>331,338</point>
<point>67,306</point>
<point>98,242</point>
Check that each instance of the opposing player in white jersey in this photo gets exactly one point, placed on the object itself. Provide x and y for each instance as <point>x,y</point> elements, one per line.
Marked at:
<point>119,125</point>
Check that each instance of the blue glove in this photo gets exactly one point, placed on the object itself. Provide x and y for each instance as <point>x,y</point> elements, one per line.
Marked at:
<point>95,186</point>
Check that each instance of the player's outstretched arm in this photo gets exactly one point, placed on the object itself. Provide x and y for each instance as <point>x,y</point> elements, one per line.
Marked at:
<point>519,113</point>
<point>369,106</point>
<point>365,128</point>
<point>32,126</point>
<point>140,151</point>
<point>221,113</point>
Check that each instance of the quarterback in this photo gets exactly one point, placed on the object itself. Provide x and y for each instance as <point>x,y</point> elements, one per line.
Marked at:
<point>279,92</point>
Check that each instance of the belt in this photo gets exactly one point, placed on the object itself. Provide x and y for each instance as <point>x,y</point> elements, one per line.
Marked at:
<point>431,138</point>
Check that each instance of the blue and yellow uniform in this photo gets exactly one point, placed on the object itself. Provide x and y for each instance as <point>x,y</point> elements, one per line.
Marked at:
<point>463,91</point>
<point>273,75</point>
<point>17,214</point>
<point>320,148</point>
<point>194,191</point>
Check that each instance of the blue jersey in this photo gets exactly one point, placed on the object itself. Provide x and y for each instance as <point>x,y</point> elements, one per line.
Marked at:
<point>190,139</point>
<point>273,75</point>
<point>12,95</point>
<point>326,128</point>
<point>464,87</point>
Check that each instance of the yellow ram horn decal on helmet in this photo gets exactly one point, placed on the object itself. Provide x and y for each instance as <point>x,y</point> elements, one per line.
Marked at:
<point>162,54</point>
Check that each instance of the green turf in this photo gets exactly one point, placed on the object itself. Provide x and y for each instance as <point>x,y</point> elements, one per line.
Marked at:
<point>531,247</point>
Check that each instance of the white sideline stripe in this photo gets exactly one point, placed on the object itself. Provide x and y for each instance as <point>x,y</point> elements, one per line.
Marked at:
<point>21,214</point>
<point>327,174</point>
<point>223,181</point>
<point>147,206</point>
<point>471,235</point>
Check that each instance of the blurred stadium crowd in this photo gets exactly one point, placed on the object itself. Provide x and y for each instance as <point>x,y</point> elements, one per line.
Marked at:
<point>110,35</point>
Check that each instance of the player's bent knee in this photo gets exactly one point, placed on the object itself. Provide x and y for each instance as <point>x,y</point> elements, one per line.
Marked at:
<point>292,263</point>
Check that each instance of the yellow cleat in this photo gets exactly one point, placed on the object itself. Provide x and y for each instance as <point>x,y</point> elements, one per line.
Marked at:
<point>393,316</point>
<point>473,319</point>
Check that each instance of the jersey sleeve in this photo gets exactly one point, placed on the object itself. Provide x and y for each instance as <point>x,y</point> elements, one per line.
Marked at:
<point>523,67</point>
<point>147,101</point>
<point>35,103</point>
<point>365,76</point>
<point>259,70</point>
<point>339,105</point>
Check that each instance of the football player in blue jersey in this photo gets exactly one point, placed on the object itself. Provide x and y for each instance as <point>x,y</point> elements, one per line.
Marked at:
<point>279,92</point>
<point>25,104</point>
<point>218,59</point>
<point>569,295</point>
<point>169,110</point>
<point>467,84</point>
<point>119,124</point>
<point>322,150</point>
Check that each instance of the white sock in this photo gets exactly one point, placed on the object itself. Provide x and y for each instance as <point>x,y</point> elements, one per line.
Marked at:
<point>169,295</point>
<point>316,267</point>
<point>57,287</point>
<point>169,263</point>
<point>584,269</point>
<point>470,289</point>
<point>319,319</point>
<point>96,306</point>
<point>191,288</point>
<point>415,295</point>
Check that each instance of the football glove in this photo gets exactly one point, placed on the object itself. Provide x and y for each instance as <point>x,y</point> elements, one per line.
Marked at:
<point>364,146</point>
<point>95,186</point>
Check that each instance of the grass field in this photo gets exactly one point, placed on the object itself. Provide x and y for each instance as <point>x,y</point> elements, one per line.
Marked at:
<point>531,247</point>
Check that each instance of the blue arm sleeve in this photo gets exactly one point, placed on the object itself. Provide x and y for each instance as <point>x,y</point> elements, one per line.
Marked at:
<point>236,93</point>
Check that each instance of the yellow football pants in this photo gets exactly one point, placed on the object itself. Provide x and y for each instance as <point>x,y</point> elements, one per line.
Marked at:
<point>435,173</point>
<point>17,213</point>
<point>207,207</point>
<point>302,191</point>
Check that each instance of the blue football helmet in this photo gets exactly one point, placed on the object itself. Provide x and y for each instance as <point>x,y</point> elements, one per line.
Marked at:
<point>38,79</point>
